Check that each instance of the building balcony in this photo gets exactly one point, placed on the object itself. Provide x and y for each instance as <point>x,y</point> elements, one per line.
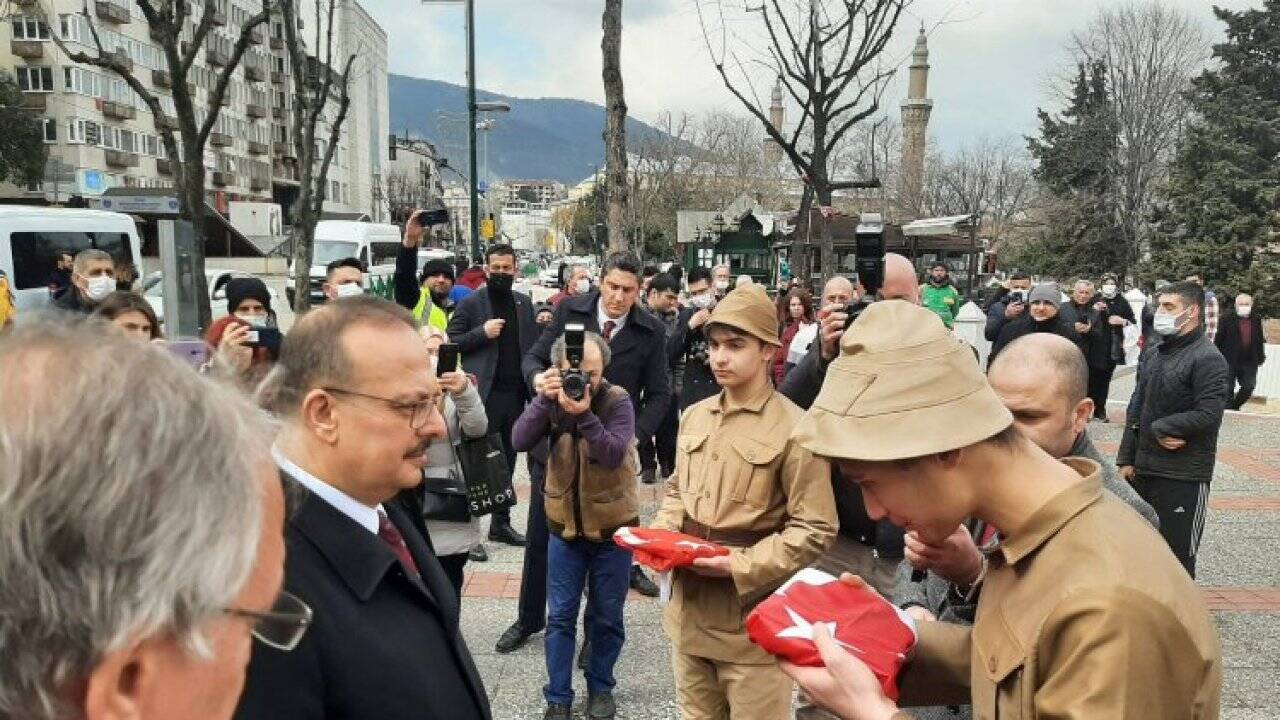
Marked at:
<point>219,139</point>
<point>276,43</point>
<point>164,122</point>
<point>277,77</point>
<point>284,150</point>
<point>255,36</point>
<point>254,110</point>
<point>255,73</point>
<point>222,178</point>
<point>161,78</point>
<point>258,183</point>
<point>121,159</point>
<point>216,57</point>
<point>119,111</point>
<point>112,12</point>
<point>35,101</point>
<point>26,3</point>
<point>163,166</point>
<point>277,113</point>
<point>284,170</point>
<point>257,148</point>
<point>120,56</point>
<point>216,16</point>
<point>29,49</point>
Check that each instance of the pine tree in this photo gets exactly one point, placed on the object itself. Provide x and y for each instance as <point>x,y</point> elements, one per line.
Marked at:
<point>1073,165</point>
<point>1220,210</point>
<point>22,148</point>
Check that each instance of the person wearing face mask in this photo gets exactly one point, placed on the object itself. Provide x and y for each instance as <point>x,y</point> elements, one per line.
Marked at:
<point>1170,437</point>
<point>343,278</point>
<point>1241,342</point>
<point>1042,316</point>
<point>494,328</point>
<point>93,278</point>
<point>687,346</point>
<point>233,352</point>
<point>1117,314</point>
<point>428,294</point>
<point>577,282</point>
<point>723,279</point>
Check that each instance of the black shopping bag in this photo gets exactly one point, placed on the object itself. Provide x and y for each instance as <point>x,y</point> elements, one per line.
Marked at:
<point>484,467</point>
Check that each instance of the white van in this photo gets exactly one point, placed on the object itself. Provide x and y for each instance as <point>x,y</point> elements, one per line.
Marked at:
<point>373,244</point>
<point>32,236</point>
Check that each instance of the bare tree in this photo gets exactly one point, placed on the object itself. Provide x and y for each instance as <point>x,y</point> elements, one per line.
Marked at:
<point>320,104</point>
<point>990,178</point>
<point>1150,52</point>
<point>184,137</point>
<point>615,126</point>
<point>827,54</point>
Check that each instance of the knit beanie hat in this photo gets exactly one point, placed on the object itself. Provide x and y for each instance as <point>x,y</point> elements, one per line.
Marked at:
<point>241,288</point>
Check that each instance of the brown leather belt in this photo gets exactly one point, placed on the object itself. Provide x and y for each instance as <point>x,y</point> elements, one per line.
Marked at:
<point>735,538</point>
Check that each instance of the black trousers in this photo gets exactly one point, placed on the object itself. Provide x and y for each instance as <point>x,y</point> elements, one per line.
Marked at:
<point>453,565</point>
<point>504,407</point>
<point>1099,388</point>
<point>660,450</point>
<point>1246,376</point>
<point>533,580</point>
<point>1181,506</point>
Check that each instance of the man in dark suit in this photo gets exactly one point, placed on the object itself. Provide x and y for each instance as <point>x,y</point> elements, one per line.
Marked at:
<point>494,327</point>
<point>1241,342</point>
<point>357,398</point>
<point>637,346</point>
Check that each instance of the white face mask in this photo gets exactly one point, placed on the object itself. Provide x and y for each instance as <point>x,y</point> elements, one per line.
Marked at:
<point>1109,290</point>
<point>97,288</point>
<point>1243,310</point>
<point>1166,324</point>
<point>703,301</point>
<point>349,290</point>
<point>582,286</point>
<point>252,319</point>
<point>722,284</point>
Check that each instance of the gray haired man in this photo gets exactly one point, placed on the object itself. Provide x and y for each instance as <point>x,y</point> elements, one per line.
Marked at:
<point>140,532</point>
<point>93,278</point>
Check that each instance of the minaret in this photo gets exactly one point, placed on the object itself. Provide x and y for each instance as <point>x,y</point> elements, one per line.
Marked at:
<point>915,124</point>
<point>777,116</point>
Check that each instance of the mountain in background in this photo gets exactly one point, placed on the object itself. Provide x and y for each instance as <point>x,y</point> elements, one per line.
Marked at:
<point>543,138</point>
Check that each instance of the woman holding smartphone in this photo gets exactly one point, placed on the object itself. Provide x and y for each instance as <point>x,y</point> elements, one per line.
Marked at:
<point>245,344</point>
<point>454,532</point>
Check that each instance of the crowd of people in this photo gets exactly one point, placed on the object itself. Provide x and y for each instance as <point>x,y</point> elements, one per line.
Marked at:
<point>135,564</point>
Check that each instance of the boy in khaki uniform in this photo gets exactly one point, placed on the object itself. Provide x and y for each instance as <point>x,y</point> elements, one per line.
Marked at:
<point>741,482</point>
<point>1083,613</point>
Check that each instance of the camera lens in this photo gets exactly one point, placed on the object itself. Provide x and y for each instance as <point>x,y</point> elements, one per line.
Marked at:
<point>574,384</point>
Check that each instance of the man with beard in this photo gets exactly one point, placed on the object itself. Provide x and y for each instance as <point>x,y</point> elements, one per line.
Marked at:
<point>429,298</point>
<point>1042,316</point>
<point>939,295</point>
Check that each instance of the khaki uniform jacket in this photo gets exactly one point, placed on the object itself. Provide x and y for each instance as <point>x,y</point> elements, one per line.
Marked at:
<point>1084,614</point>
<point>738,470</point>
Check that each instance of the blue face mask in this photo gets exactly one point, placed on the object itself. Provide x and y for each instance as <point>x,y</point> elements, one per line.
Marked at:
<point>1166,324</point>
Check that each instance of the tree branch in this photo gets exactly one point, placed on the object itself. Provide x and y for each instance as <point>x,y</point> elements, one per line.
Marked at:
<point>237,53</point>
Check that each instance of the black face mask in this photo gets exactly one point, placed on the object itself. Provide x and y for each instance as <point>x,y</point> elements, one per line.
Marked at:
<point>501,283</point>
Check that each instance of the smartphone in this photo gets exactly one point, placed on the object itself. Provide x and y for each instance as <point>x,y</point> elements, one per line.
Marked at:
<point>192,352</point>
<point>266,337</point>
<point>433,217</point>
<point>447,360</point>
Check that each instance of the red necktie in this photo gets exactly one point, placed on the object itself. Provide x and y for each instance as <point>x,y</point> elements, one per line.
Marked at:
<point>609,325</point>
<point>392,537</point>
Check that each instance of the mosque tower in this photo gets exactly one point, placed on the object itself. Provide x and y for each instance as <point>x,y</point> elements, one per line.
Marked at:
<point>777,116</point>
<point>915,124</point>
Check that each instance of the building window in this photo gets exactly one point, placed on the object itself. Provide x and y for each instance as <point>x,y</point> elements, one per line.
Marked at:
<point>30,28</point>
<point>35,79</point>
<point>49,127</point>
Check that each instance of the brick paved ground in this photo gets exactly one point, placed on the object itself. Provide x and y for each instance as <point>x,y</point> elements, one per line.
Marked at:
<point>1239,573</point>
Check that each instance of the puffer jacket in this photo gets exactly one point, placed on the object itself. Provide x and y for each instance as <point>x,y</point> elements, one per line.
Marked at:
<point>1182,393</point>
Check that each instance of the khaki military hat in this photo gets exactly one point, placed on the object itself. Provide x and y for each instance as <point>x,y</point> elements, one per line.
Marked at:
<point>750,310</point>
<point>903,387</point>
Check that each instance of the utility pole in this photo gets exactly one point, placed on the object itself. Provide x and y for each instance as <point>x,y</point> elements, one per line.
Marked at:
<point>476,255</point>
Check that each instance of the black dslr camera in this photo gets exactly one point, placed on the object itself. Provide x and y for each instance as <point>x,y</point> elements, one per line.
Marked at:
<point>869,262</point>
<point>573,381</point>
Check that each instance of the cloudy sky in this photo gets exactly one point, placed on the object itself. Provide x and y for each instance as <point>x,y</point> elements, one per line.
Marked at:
<point>990,58</point>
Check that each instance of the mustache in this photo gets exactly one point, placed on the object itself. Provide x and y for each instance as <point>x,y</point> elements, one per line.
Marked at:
<point>418,449</point>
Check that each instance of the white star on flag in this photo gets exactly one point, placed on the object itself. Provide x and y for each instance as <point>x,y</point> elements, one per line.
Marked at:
<point>630,538</point>
<point>692,544</point>
<point>803,629</point>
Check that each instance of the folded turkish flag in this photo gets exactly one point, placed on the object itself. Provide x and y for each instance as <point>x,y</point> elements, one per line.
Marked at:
<point>664,549</point>
<point>868,626</point>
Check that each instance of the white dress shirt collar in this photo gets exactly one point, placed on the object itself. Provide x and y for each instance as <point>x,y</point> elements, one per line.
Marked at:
<point>602,317</point>
<point>366,516</point>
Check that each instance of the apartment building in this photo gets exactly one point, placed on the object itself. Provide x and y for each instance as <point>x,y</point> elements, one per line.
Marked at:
<point>102,136</point>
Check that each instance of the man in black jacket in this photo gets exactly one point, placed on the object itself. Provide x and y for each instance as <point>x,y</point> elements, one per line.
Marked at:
<point>687,345</point>
<point>637,346</point>
<point>1117,313</point>
<point>1043,315</point>
<point>1241,342</point>
<point>384,641</point>
<point>1171,432</point>
<point>93,278</point>
<point>493,328</point>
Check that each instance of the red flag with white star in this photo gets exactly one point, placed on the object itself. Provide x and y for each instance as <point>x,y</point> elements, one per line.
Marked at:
<point>662,550</point>
<point>861,621</point>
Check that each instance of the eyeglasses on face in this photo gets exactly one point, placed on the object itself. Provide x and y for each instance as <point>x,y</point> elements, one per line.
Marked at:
<point>419,412</point>
<point>281,627</point>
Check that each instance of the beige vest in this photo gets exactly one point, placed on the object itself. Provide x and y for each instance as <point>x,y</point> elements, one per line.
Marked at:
<point>584,498</point>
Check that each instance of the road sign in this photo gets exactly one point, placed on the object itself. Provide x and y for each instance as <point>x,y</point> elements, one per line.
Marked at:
<point>145,204</point>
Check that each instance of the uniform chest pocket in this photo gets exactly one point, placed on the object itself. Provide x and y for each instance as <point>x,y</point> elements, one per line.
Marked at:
<point>687,458</point>
<point>756,475</point>
<point>1003,681</point>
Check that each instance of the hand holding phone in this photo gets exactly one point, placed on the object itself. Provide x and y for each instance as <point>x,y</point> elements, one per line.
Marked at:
<point>447,361</point>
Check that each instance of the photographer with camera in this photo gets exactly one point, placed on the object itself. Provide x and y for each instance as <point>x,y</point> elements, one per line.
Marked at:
<point>1011,304</point>
<point>590,492</point>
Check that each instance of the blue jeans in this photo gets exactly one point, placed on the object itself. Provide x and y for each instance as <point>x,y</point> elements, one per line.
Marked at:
<point>570,566</point>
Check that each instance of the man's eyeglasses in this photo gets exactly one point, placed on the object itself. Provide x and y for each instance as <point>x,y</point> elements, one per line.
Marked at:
<point>281,627</point>
<point>419,412</point>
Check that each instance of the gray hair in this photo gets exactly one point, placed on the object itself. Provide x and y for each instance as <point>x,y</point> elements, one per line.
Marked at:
<point>560,351</point>
<point>84,257</point>
<point>130,504</point>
